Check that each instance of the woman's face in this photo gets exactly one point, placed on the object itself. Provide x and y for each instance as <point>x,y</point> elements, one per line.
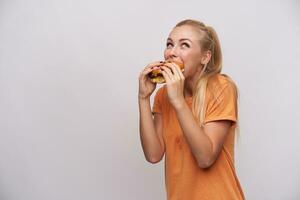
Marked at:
<point>183,45</point>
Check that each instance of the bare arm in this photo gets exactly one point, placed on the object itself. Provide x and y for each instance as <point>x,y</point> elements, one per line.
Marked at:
<point>150,129</point>
<point>151,132</point>
<point>205,143</point>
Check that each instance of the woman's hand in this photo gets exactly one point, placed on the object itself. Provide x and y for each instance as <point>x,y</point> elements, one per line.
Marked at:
<point>175,83</point>
<point>146,87</point>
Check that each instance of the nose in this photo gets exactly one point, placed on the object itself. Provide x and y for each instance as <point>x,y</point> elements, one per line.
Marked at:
<point>172,52</point>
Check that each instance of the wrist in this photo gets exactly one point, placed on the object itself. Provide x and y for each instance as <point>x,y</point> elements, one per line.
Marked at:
<point>144,98</point>
<point>178,105</point>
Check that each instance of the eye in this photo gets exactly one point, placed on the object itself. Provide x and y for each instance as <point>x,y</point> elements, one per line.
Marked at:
<point>169,44</point>
<point>185,45</point>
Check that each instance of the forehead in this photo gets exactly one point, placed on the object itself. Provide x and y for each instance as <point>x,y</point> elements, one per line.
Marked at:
<point>185,31</point>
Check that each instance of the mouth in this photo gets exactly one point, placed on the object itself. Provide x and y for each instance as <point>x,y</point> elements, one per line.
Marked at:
<point>156,75</point>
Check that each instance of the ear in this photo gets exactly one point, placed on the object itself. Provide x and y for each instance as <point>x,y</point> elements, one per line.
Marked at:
<point>206,57</point>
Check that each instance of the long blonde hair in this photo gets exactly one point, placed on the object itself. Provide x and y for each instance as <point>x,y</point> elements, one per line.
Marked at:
<point>208,41</point>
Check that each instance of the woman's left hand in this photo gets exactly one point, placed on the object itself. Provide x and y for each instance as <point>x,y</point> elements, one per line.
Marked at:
<point>174,83</point>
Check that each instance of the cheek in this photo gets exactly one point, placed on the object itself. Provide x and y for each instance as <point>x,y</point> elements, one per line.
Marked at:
<point>187,70</point>
<point>186,57</point>
<point>190,68</point>
<point>166,53</point>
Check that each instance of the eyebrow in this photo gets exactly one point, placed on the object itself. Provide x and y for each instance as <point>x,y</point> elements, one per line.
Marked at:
<point>182,39</point>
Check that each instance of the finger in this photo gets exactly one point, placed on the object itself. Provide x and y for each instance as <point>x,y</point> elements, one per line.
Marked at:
<point>167,70</point>
<point>168,73</point>
<point>180,71</point>
<point>172,72</point>
<point>175,69</point>
<point>181,75</point>
<point>150,67</point>
<point>146,71</point>
<point>154,64</point>
<point>144,75</point>
<point>166,76</point>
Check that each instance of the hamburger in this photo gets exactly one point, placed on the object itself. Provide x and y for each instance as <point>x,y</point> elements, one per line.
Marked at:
<point>156,75</point>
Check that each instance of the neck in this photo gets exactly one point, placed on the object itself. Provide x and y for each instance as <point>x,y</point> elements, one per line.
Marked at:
<point>190,84</point>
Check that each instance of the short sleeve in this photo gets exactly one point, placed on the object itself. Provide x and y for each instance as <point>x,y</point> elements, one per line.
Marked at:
<point>157,105</point>
<point>222,104</point>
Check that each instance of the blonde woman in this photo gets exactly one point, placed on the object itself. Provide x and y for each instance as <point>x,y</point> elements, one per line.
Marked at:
<point>193,118</point>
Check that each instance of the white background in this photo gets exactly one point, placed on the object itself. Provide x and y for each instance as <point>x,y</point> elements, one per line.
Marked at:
<point>68,95</point>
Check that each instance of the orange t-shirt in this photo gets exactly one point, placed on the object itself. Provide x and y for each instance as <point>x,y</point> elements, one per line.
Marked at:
<point>184,179</point>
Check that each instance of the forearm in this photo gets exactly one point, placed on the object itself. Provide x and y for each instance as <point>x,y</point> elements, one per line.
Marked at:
<point>200,144</point>
<point>149,139</point>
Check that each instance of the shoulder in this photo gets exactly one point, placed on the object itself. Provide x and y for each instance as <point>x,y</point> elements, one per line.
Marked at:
<point>219,83</point>
<point>220,80</point>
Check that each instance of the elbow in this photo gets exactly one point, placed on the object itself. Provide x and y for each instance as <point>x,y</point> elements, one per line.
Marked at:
<point>154,160</point>
<point>205,163</point>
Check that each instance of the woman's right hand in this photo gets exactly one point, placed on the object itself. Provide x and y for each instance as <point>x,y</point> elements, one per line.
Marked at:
<point>146,86</point>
